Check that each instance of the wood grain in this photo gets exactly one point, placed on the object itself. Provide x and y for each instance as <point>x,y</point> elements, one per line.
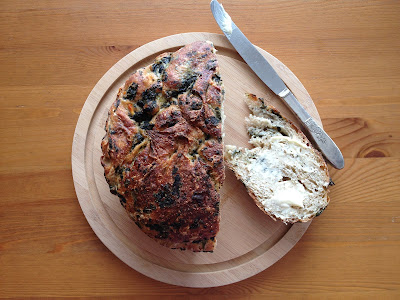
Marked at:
<point>52,53</point>
<point>248,241</point>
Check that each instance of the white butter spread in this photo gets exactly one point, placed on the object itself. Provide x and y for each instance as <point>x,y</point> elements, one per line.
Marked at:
<point>288,140</point>
<point>226,22</point>
<point>261,170</point>
<point>288,194</point>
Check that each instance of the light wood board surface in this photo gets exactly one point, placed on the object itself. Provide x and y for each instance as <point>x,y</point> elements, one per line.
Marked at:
<point>53,53</point>
<point>249,241</point>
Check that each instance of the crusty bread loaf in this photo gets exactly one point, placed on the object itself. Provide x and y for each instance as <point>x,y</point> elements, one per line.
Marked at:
<point>163,151</point>
<point>287,178</point>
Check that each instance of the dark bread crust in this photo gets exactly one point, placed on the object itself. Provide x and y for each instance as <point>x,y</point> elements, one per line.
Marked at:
<point>163,152</point>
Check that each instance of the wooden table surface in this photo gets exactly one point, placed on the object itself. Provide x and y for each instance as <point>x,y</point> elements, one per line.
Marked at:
<point>52,53</point>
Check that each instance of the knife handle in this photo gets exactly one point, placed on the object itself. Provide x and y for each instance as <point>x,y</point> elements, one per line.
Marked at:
<point>322,140</point>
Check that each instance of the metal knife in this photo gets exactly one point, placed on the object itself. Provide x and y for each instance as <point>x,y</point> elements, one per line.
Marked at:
<point>267,74</point>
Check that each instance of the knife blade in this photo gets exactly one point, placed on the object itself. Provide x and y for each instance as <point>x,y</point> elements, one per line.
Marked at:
<point>268,75</point>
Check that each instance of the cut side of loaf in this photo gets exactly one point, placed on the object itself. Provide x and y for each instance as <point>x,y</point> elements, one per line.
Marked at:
<point>287,178</point>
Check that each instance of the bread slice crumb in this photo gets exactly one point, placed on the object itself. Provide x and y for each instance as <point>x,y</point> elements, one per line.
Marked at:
<point>287,178</point>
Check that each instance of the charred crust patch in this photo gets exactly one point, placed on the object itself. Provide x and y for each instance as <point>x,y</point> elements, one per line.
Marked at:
<point>131,91</point>
<point>148,95</point>
<point>216,78</point>
<point>213,121</point>
<point>168,194</point>
<point>159,66</point>
<point>274,111</point>
<point>117,103</point>
<point>162,229</point>
<point>320,212</point>
<point>137,139</point>
<point>185,85</point>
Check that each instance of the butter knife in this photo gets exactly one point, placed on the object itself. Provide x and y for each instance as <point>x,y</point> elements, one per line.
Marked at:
<point>268,75</point>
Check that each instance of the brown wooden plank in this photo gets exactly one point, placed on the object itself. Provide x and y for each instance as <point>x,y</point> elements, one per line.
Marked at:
<point>52,53</point>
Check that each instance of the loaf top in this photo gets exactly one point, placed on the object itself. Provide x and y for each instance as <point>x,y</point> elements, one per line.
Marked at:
<point>163,152</point>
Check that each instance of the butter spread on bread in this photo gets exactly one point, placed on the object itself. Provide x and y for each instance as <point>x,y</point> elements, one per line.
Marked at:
<point>287,178</point>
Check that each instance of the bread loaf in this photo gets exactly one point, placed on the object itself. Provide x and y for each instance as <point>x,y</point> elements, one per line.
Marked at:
<point>163,151</point>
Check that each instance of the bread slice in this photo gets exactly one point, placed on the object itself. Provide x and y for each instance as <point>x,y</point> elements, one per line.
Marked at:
<point>287,178</point>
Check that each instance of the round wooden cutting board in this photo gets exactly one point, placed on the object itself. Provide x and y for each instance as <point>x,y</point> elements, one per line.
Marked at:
<point>249,241</point>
